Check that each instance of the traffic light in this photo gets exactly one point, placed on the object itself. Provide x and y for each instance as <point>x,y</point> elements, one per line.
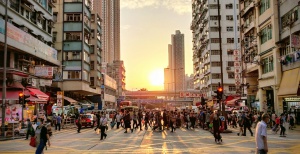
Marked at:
<point>21,98</point>
<point>24,100</point>
<point>220,93</point>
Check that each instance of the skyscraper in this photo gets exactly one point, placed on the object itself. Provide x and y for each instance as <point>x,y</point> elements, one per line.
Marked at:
<point>110,15</point>
<point>175,71</point>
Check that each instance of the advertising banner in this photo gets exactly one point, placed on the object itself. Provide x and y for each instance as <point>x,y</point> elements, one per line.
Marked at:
<point>44,71</point>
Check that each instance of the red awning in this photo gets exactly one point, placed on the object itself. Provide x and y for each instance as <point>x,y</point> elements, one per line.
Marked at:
<point>198,103</point>
<point>37,93</point>
<point>11,95</point>
<point>232,102</point>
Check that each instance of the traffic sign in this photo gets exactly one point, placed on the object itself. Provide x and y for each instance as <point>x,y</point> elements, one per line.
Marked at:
<point>222,118</point>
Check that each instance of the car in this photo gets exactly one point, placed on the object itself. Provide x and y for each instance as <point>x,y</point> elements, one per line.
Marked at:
<point>86,120</point>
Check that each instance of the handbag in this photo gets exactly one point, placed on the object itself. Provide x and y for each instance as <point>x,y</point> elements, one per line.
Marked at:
<point>32,142</point>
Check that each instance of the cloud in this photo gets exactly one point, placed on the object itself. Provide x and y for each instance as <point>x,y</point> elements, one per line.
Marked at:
<point>178,6</point>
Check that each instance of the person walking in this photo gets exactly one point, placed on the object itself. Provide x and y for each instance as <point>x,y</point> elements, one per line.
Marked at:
<point>118,119</point>
<point>30,130</point>
<point>140,118</point>
<point>216,127</point>
<point>261,135</point>
<point>41,137</point>
<point>282,128</point>
<point>58,122</point>
<point>127,121</point>
<point>79,124</point>
<point>247,124</point>
<point>103,124</point>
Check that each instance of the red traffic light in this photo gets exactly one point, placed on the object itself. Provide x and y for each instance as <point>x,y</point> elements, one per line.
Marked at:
<point>220,89</point>
<point>21,94</point>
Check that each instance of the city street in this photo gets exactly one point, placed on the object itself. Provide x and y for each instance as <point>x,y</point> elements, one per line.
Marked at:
<point>68,141</point>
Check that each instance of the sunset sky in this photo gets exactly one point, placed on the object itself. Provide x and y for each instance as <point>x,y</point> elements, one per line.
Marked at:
<point>146,28</point>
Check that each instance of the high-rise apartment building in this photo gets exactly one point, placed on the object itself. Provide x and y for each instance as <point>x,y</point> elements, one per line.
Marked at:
<point>175,73</point>
<point>110,14</point>
<point>206,49</point>
<point>78,40</point>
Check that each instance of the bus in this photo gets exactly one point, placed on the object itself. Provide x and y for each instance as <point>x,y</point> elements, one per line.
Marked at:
<point>130,109</point>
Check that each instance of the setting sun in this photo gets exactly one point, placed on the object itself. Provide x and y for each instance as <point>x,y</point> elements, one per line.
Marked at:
<point>157,78</point>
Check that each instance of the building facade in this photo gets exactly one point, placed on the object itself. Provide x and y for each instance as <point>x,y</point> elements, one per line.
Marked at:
<point>78,41</point>
<point>206,48</point>
<point>30,54</point>
<point>289,52</point>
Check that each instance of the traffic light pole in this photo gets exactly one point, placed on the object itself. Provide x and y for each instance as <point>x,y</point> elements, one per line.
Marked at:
<point>221,61</point>
<point>4,72</point>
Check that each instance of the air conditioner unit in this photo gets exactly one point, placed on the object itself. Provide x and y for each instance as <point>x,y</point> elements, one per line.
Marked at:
<point>228,68</point>
<point>32,7</point>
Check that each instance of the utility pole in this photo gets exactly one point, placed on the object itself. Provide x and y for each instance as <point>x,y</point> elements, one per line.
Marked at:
<point>4,72</point>
<point>221,58</point>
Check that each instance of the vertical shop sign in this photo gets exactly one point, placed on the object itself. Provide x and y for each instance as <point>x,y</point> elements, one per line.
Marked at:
<point>60,95</point>
<point>237,68</point>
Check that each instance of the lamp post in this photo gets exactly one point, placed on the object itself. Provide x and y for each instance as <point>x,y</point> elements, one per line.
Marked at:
<point>175,75</point>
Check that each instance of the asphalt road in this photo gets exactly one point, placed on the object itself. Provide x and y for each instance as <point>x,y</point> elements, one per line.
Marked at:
<point>68,141</point>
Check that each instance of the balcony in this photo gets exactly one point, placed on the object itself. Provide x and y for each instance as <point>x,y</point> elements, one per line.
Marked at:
<point>72,46</point>
<point>248,27</point>
<point>250,6</point>
<point>72,26</point>
<point>86,47</point>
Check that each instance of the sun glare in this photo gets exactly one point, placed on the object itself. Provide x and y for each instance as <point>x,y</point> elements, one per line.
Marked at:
<point>157,78</point>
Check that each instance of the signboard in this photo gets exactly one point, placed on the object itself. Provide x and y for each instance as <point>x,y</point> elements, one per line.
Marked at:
<point>237,68</point>
<point>295,41</point>
<point>222,118</point>
<point>60,95</point>
<point>44,71</point>
<point>190,95</point>
<point>45,82</point>
<point>28,40</point>
<point>292,99</point>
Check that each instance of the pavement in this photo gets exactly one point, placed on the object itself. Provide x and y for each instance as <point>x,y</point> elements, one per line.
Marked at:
<point>68,141</point>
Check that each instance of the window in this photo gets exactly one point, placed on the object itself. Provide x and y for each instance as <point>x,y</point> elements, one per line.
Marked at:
<point>214,88</point>
<point>92,49</point>
<point>73,36</point>
<point>72,55</point>
<point>232,88</point>
<point>213,6</point>
<point>73,17</point>
<point>290,17</point>
<point>215,40</point>
<point>55,17</point>
<point>229,17</point>
<point>92,65</point>
<point>54,37</point>
<point>229,6</point>
<point>230,75</point>
<point>229,52</point>
<point>229,29</point>
<point>216,76</point>
<point>92,81</point>
<point>92,33</point>
<point>86,57</point>
<point>230,40</point>
<point>214,17</point>
<point>267,65</point>
<point>214,29</point>
<point>13,4</point>
<point>264,5</point>
<point>215,52</point>
<point>215,64</point>
<point>266,34</point>
<point>230,63</point>
<point>74,75</point>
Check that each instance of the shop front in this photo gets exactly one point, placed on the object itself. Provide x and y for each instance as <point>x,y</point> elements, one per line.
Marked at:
<point>289,91</point>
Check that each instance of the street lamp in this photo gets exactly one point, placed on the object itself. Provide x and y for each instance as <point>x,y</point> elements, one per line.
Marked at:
<point>175,83</point>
